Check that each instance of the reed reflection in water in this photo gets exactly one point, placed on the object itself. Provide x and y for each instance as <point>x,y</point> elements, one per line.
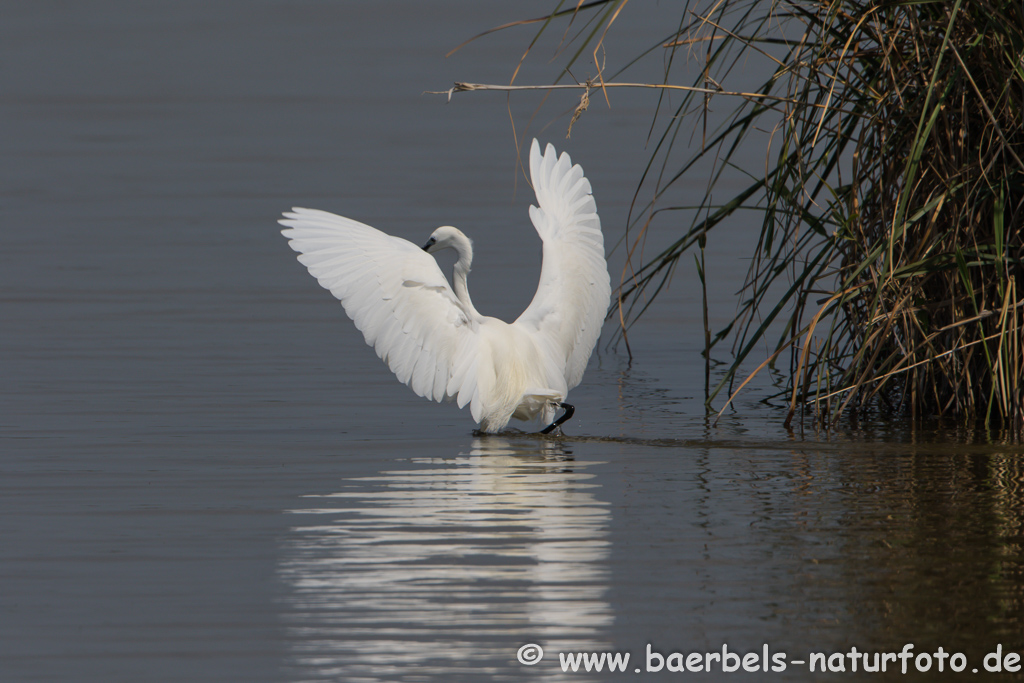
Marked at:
<point>448,566</point>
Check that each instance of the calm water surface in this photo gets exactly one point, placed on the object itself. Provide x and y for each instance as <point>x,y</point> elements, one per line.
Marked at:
<point>205,475</point>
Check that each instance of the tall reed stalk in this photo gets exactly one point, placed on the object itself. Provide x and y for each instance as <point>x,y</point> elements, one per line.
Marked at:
<point>890,265</point>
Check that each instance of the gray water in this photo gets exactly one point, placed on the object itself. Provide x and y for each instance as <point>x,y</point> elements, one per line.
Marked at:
<point>205,474</point>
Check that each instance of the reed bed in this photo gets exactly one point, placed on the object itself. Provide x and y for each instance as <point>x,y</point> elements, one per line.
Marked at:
<point>889,272</point>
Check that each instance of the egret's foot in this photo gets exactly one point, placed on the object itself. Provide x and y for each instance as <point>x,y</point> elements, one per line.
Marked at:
<point>555,426</point>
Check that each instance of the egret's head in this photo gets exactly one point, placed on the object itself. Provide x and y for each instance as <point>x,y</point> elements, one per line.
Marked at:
<point>447,237</point>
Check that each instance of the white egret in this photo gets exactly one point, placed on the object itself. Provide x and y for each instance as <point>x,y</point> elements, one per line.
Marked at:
<point>431,335</point>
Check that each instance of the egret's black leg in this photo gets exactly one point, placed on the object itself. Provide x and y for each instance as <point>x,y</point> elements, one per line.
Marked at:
<point>569,410</point>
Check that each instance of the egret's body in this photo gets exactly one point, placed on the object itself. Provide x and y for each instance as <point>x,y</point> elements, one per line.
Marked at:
<point>431,335</point>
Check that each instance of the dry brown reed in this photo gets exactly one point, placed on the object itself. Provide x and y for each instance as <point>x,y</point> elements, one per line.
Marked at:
<point>891,254</point>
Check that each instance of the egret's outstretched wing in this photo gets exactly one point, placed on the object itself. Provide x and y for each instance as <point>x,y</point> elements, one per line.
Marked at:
<point>398,298</point>
<point>574,290</point>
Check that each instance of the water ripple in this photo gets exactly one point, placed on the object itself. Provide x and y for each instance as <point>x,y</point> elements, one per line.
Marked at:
<point>485,551</point>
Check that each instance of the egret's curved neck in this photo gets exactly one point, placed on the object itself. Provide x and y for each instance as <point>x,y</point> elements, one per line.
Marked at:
<point>464,249</point>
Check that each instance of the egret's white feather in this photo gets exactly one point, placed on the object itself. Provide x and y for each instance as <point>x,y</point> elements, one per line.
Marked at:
<point>428,331</point>
<point>392,290</point>
<point>574,290</point>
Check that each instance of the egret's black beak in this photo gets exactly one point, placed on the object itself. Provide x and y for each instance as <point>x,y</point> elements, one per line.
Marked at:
<point>429,244</point>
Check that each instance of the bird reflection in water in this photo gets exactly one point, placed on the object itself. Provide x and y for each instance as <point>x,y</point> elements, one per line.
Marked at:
<point>445,567</point>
